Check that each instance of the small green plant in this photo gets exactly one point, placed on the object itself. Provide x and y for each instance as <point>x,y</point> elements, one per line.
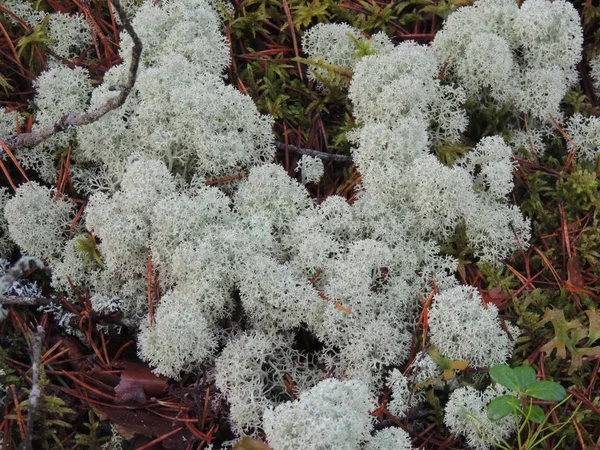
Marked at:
<point>522,382</point>
<point>93,439</point>
<point>87,245</point>
<point>52,417</point>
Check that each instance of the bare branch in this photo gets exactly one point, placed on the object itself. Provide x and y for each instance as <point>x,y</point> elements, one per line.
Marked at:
<point>315,153</point>
<point>24,301</point>
<point>69,121</point>
<point>22,266</point>
<point>110,319</point>
<point>35,393</point>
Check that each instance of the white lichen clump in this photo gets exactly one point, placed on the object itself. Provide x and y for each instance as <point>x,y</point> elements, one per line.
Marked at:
<point>431,198</point>
<point>252,370</point>
<point>61,91</point>
<point>335,46</point>
<point>8,124</point>
<point>526,56</point>
<point>181,334</point>
<point>24,11</point>
<point>38,220</point>
<point>310,168</point>
<point>584,137</point>
<point>389,438</point>
<point>466,415</point>
<point>180,111</point>
<point>334,43</point>
<point>399,404</point>
<point>462,328</point>
<point>333,414</point>
<point>123,223</point>
<point>69,33</point>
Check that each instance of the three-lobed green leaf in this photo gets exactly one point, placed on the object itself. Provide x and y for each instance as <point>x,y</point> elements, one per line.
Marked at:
<point>522,381</point>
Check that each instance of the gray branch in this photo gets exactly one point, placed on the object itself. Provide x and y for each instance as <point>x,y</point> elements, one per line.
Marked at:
<point>109,319</point>
<point>69,121</point>
<point>16,300</point>
<point>314,153</point>
<point>35,393</point>
<point>16,272</point>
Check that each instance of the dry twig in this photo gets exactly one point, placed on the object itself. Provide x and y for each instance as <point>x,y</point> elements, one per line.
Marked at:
<point>69,121</point>
<point>35,393</point>
<point>314,153</point>
<point>15,273</point>
<point>110,319</point>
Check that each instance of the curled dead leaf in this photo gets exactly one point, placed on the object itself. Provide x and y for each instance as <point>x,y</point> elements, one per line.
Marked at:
<point>247,443</point>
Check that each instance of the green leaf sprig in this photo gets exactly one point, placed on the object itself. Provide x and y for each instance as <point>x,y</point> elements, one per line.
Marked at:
<point>522,381</point>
